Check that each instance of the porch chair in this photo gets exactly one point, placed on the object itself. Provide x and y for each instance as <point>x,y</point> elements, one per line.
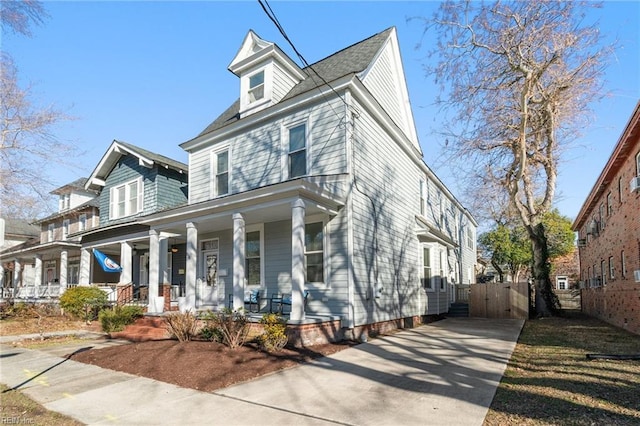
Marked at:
<point>285,299</point>
<point>252,299</point>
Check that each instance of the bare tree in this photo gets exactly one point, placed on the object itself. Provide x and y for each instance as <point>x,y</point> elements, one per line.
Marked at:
<point>519,77</point>
<point>29,149</point>
<point>18,15</point>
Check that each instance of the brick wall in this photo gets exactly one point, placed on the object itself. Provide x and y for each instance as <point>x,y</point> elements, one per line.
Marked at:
<point>617,304</point>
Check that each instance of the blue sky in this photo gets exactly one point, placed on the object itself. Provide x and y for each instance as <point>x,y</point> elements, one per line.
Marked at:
<point>155,73</point>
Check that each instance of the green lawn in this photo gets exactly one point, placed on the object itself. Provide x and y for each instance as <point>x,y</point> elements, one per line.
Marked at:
<point>549,380</point>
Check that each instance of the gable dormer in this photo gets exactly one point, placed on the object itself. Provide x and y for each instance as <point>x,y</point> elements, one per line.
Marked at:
<point>266,74</point>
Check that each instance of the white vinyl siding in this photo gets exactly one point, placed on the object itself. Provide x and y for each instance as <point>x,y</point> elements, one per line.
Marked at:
<point>258,156</point>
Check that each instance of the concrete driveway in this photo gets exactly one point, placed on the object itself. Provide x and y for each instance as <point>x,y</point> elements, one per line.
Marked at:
<point>444,373</point>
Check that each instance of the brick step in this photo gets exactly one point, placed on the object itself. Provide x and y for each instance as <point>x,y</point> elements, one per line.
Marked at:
<point>157,322</point>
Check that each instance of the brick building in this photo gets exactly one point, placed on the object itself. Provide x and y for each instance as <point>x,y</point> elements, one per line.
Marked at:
<point>608,227</point>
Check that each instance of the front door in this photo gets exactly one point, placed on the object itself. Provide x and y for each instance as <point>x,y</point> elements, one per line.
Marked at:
<point>208,281</point>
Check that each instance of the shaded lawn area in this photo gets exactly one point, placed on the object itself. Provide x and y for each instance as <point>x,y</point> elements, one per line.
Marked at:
<point>549,380</point>
<point>18,409</point>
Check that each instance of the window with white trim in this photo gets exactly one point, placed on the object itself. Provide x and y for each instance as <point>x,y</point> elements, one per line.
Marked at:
<point>470,239</point>
<point>220,172</point>
<point>65,201</point>
<point>82,222</point>
<point>297,151</point>
<point>609,204</point>
<point>562,282</point>
<point>126,199</point>
<point>253,257</point>
<point>314,252</point>
<point>73,271</point>
<point>50,229</point>
<point>256,86</point>
<point>611,268</point>
<point>65,229</point>
<point>427,283</point>
<point>422,204</point>
<point>443,279</point>
<point>638,164</point>
<point>623,264</point>
<point>603,272</point>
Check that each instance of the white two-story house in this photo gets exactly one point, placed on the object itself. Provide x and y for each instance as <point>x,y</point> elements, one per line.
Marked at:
<point>313,184</point>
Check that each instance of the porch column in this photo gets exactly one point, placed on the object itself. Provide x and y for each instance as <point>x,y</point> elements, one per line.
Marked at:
<point>238,260</point>
<point>154,271</point>
<point>2,276</point>
<point>191,271</point>
<point>126,262</point>
<point>298,211</point>
<point>163,273</point>
<point>37,271</point>
<point>17,275</point>
<point>85,267</point>
<point>64,260</point>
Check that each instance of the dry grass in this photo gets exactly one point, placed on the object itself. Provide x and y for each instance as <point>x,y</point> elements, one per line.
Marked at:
<point>549,380</point>
<point>18,409</point>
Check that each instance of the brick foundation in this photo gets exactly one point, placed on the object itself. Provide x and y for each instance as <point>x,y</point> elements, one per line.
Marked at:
<point>616,304</point>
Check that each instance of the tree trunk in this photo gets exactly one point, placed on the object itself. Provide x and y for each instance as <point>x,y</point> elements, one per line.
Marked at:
<point>546,301</point>
<point>498,270</point>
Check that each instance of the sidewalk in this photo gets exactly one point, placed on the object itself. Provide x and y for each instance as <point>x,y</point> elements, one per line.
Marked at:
<point>444,373</point>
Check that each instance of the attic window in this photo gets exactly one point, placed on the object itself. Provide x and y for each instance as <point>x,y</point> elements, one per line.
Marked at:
<point>256,87</point>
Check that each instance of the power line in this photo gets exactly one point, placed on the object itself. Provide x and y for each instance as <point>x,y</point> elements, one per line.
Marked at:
<point>272,16</point>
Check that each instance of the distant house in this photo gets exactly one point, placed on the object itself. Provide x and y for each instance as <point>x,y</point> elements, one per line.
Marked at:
<point>608,227</point>
<point>131,182</point>
<point>48,263</point>
<point>312,185</point>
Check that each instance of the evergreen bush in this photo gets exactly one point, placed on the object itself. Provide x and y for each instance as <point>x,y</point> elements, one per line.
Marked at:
<point>118,318</point>
<point>83,302</point>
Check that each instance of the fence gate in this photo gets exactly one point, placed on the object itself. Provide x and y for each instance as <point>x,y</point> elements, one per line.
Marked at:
<point>499,300</point>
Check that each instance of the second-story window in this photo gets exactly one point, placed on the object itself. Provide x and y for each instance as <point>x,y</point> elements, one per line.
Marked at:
<point>297,151</point>
<point>256,87</point>
<point>470,238</point>
<point>421,197</point>
<point>82,223</point>
<point>220,172</point>
<point>50,229</point>
<point>126,199</point>
<point>609,204</point>
<point>65,229</point>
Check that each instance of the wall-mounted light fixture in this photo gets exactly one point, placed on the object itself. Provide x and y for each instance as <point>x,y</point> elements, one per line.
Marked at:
<point>174,249</point>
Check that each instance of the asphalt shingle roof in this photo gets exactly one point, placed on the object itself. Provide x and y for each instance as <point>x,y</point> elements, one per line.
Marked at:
<point>350,60</point>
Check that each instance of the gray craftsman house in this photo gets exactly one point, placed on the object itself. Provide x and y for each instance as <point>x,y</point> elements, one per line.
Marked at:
<point>311,189</point>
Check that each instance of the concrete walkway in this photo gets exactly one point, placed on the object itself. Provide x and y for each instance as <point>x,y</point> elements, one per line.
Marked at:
<point>444,373</point>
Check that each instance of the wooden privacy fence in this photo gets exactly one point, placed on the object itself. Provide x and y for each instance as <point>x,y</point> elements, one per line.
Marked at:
<point>499,300</point>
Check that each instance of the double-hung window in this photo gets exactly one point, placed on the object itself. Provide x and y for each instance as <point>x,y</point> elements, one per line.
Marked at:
<point>256,87</point>
<point>426,269</point>
<point>297,158</point>
<point>82,222</point>
<point>252,258</point>
<point>126,199</point>
<point>65,229</point>
<point>314,252</point>
<point>220,178</point>
<point>422,197</point>
<point>50,229</point>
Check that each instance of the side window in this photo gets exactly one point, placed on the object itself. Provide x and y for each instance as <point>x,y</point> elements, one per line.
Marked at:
<point>426,269</point>
<point>50,229</point>
<point>314,252</point>
<point>65,229</point>
<point>82,222</point>
<point>297,157</point>
<point>220,172</point>
<point>253,256</point>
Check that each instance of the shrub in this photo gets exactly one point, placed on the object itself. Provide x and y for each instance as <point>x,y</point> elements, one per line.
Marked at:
<point>83,302</point>
<point>182,326</point>
<point>274,337</point>
<point>118,318</point>
<point>210,331</point>
<point>233,325</point>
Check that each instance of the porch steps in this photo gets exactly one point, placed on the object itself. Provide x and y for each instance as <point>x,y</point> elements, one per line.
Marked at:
<point>144,329</point>
<point>459,310</point>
